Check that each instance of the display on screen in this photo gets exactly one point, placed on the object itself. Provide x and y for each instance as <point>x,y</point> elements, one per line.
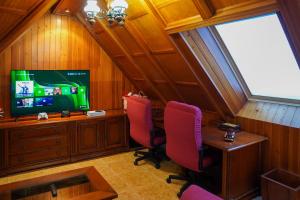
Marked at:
<point>35,91</point>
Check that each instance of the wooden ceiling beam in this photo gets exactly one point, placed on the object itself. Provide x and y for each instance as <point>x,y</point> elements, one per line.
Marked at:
<point>230,13</point>
<point>289,10</point>
<point>136,35</point>
<point>128,56</point>
<point>39,11</point>
<point>205,9</point>
<point>14,11</point>
<point>90,30</point>
<point>164,3</point>
<point>131,59</point>
<point>183,50</point>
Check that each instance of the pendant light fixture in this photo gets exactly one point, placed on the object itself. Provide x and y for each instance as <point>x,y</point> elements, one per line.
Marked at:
<point>115,12</point>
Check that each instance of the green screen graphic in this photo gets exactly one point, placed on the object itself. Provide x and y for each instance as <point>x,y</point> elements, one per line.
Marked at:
<point>35,91</point>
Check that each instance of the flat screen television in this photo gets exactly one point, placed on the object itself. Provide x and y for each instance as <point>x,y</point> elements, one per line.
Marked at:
<point>35,91</point>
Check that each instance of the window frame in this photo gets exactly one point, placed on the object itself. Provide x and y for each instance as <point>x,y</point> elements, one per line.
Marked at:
<point>221,44</point>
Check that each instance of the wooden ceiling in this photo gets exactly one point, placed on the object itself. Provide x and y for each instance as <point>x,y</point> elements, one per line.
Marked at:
<point>156,60</point>
<point>148,49</point>
<point>17,15</point>
<point>12,12</point>
<point>178,15</point>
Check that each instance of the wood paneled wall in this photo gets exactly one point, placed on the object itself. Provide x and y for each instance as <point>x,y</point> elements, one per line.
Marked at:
<point>58,43</point>
<point>281,124</point>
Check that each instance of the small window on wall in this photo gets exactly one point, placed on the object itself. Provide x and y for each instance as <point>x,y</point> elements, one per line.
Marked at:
<point>263,56</point>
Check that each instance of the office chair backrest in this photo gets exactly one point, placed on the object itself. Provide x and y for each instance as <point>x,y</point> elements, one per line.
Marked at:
<point>140,118</point>
<point>182,124</point>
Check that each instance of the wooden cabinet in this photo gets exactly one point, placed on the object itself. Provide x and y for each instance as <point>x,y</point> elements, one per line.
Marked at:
<point>116,133</point>
<point>34,144</point>
<point>90,136</point>
<point>1,150</point>
<point>29,147</point>
<point>97,137</point>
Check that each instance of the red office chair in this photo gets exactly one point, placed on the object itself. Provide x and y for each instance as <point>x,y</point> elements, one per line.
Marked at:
<point>142,130</point>
<point>197,193</point>
<point>182,124</point>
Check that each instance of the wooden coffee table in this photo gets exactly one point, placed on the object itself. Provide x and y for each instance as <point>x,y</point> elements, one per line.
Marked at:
<point>80,184</point>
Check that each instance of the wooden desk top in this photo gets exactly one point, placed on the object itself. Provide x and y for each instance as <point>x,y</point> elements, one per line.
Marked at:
<point>214,137</point>
<point>56,119</point>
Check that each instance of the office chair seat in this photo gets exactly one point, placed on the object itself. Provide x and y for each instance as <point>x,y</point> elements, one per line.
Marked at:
<point>197,193</point>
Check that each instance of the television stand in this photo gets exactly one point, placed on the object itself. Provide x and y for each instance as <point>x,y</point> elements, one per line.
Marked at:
<point>31,144</point>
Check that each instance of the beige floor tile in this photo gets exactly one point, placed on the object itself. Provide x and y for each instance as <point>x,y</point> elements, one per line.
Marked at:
<point>143,182</point>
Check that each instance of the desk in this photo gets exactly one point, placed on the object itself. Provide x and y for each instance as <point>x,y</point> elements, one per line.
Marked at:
<point>241,162</point>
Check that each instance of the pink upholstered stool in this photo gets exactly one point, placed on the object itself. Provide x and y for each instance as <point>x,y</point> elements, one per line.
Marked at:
<point>197,193</point>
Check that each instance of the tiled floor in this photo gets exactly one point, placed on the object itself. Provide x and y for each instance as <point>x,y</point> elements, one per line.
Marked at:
<point>142,182</point>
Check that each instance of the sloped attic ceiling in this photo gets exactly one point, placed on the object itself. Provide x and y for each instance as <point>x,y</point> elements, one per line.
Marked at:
<point>150,56</point>
<point>161,65</point>
<point>17,15</point>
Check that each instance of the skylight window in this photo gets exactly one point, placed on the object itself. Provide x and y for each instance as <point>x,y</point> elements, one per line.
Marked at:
<point>262,54</point>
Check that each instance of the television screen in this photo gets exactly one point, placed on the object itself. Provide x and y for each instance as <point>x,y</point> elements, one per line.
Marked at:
<point>35,91</point>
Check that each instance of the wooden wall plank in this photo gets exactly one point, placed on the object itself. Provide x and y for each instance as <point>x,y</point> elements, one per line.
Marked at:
<point>61,42</point>
<point>287,115</point>
<point>296,119</point>
<point>287,119</point>
<point>280,123</point>
<point>279,114</point>
<point>282,149</point>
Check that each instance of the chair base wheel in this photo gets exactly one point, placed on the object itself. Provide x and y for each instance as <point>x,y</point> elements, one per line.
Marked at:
<point>157,166</point>
<point>168,180</point>
<point>179,194</point>
<point>135,163</point>
<point>135,154</point>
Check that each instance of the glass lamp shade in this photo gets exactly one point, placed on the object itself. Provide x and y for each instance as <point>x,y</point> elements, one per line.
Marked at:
<point>116,11</point>
<point>92,7</point>
<point>119,3</point>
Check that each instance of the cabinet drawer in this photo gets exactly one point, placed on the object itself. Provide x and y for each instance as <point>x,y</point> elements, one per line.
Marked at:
<point>37,131</point>
<point>37,157</point>
<point>37,144</point>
